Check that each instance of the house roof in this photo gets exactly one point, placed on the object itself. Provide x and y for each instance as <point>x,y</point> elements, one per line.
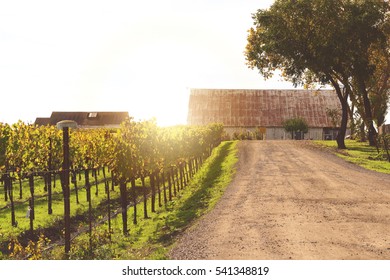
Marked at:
<point>260,108</point>
<point>42,121</point>
<point>86,119</point>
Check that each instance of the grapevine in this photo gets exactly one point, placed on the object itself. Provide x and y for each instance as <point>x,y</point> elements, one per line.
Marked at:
<point>162,159</point>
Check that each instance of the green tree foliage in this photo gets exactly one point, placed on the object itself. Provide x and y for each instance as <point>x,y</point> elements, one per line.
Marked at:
<point>295,125</point>
<point>379,83</point>
<point>323,42</point>
<point>4,136</point>
<point>334,115</point>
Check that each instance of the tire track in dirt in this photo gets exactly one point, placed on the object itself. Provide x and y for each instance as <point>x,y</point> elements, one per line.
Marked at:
<point>288,201</point>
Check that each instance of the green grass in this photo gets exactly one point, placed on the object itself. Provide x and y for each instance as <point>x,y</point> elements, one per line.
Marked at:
<point>42,219</point>
<point>153,238</point>
<point>359,153</point>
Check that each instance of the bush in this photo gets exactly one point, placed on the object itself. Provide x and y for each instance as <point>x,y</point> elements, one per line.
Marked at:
<point>384,144</point>
<point>296,125</point>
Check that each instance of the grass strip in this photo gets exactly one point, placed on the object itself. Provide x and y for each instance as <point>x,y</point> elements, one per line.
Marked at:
<point>42,219</point>
<point>359,153</point>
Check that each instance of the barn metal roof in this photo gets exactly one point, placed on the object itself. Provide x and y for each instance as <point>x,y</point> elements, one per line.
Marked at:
<point>260,108</point>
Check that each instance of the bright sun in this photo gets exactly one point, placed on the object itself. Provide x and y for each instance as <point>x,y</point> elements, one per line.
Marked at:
<point>151,81</point>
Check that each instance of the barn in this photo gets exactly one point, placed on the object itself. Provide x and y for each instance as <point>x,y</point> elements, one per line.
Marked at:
<point>264,111</point>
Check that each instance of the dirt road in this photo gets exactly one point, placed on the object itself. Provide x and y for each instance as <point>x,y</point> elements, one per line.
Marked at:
<point>290,201</point>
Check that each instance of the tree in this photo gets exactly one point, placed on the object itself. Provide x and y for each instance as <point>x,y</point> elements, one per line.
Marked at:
<point>295,125</point>
<point>369,59</point>
<point>334,115</point>
<point>325,42</point>
<point>379,84</point>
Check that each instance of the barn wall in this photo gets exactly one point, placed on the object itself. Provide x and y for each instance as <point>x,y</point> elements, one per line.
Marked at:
<point>315,134</point>
<point>276,133</point>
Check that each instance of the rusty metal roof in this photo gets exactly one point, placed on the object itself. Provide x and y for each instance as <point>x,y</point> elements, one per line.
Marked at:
<point>88,119</point>
<point>260,108</point>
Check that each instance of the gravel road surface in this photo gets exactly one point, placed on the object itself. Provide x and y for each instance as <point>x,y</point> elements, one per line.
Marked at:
<point>289,200</point>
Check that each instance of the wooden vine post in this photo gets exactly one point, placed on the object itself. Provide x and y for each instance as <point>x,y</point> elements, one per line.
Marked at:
<point>153,187</point>
<point>107,190</point>
<point>164,188</point>
<point>134,195</point>
<point>49,193</point>
<point>145,197</point>
<point>89,200</point>
<point>8,186</point>
<point>20,188</point>
<point>123,195</point>
<point>74,182</point>
<point>31,202</point>
<point>169,185</point>
<point>65,125</point>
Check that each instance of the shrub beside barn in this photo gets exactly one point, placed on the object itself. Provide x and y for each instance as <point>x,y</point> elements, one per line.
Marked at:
<point>262,112</point>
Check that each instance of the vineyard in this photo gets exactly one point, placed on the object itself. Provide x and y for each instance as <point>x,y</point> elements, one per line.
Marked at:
<point>139,166</point>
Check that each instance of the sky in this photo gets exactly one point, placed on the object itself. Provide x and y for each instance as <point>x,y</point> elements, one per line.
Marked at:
<point>136,56</point>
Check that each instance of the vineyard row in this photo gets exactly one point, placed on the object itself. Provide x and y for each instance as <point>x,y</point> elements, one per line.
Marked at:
<point>166,157</point>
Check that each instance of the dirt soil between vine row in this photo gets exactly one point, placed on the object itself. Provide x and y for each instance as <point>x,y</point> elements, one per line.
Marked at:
<point>289,200</point>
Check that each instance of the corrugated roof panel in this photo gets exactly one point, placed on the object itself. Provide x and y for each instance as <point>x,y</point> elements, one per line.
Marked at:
<point>260,107</point>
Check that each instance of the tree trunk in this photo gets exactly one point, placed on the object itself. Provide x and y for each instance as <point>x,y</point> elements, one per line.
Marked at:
<point>372,133</point>
<point>352,125</point>
<point>343,97</point>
